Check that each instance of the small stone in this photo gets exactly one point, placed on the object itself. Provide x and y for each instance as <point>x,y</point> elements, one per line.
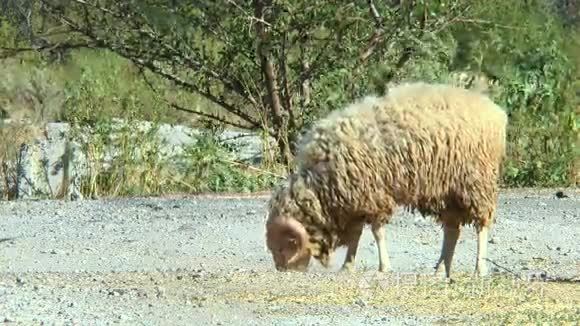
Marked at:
<point>560,194</point>
<point>160,292</point>
<point>494,240</point>
<point>360,302</point>
<point>275,308</point>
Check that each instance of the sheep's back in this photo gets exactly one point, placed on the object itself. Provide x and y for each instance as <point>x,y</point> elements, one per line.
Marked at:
<point>443,141</point>
<point>420,143</point>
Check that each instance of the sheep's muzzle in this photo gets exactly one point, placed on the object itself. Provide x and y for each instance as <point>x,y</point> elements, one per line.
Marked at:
<point>298,263</point>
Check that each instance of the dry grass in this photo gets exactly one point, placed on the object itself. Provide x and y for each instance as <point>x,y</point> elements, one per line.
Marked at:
<point>498,299</point>
<point>12,136</point>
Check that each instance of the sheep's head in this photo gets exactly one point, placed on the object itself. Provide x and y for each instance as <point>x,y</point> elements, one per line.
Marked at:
<point>294,208</point>
<point>287,240</point>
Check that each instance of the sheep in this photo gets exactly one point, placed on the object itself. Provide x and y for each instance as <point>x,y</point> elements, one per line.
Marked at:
<point>431,148</point>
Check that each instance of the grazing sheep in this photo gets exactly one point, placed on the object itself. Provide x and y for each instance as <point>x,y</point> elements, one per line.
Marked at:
<point>431,148</point>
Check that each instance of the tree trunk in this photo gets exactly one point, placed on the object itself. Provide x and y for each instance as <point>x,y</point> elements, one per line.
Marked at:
<point>278,112</point>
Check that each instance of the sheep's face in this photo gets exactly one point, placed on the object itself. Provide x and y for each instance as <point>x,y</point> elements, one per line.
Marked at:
<point>286,239</point>
<point>291,245</point>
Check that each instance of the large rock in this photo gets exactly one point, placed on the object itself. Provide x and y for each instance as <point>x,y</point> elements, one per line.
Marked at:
<point>52,166</point>
<point>49,167</point>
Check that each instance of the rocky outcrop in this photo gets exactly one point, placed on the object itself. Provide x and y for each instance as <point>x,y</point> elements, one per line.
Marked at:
<point>52,166</point>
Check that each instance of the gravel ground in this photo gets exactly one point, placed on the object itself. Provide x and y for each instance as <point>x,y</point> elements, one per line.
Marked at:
<point>196,260</point>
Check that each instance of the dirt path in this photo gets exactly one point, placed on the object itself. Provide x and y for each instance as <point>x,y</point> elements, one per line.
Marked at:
<point>201,260</point>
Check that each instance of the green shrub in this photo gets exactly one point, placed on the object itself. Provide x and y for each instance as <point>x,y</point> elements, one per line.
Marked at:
<point>542,130</point>
<point>139,169</point>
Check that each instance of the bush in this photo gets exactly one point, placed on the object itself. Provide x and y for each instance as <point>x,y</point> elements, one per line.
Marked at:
<point>529,56</point>
<point>542,132</point>
<point>129,161</point>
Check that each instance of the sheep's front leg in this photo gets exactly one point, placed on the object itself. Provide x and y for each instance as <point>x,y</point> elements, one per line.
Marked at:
<point>352,247</point>
<point>480,265</point>
<point>450,237</point>
<point>379,235</point>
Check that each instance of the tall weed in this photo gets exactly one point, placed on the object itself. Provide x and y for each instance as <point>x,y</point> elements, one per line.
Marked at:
<point>132,163</point>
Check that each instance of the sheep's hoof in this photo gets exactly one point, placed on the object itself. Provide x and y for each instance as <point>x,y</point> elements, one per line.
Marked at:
<point>481,272</point>
<point>437,270</point>
<point>348,268</point>
<point>384,269</point>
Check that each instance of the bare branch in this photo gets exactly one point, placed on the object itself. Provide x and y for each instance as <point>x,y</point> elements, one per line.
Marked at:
<point>250,167</point>
<point>9,52</point>
<point>209,115</point>
<point>305,85</point>
<point>248,15</point>
<point>234,86</point>
<point>131,54</point>
<point>224,37</point>
<point>409,50</point>
<point>197,112</point>
<point>486,22</point>
<point>375,14</point>
<point>147,31</point>
<point>378,36</point>
<point>316,64</point>
<point>103,9</point>
<point>180,82</point>
<point>375,39</point>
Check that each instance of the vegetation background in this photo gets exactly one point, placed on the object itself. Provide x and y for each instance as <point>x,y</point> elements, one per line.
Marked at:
<point>274,67</point>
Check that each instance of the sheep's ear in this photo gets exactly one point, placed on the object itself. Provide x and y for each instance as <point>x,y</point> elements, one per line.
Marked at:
<point>286,231</point>
<point>293,241</point>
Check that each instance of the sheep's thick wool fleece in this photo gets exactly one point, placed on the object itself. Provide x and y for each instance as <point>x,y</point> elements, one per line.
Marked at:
<point>428,147</point>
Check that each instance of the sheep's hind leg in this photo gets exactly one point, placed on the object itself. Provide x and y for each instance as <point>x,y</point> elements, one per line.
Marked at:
<point>379,235</point>
<point>450,236</point>
<point>352,247</point>
<point>480,265</point>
